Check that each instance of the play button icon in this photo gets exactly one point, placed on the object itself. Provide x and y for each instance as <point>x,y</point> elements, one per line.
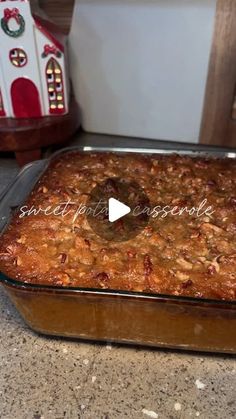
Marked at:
<point>111,208</point>
<point>117,210</point>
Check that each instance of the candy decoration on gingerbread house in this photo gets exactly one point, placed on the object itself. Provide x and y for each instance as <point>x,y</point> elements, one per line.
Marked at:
<point>33,73</point>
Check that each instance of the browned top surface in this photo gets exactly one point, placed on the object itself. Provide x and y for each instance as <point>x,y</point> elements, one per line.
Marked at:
<point>178,255</point>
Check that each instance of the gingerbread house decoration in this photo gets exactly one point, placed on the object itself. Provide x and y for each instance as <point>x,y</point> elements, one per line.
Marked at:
<point>33,70</point>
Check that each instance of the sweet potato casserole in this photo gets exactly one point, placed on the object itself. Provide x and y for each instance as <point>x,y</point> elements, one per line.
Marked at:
<point>185,254</point>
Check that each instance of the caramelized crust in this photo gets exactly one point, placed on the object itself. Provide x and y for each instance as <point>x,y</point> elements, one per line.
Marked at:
<point>176,255</point>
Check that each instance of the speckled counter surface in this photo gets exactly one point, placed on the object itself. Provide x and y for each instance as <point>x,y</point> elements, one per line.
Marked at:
<point>55,378</point>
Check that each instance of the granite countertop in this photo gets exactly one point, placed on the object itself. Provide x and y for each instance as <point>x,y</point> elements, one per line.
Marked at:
<point>56,378</point>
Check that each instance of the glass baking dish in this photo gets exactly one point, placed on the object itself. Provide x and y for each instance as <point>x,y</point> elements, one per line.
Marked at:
<point>106,315</point>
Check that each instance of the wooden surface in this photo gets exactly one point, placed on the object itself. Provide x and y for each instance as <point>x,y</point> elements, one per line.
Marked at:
<point>60,11</point>
<point>234,110</point>
<point>27,136</point>
<point>218,127</point>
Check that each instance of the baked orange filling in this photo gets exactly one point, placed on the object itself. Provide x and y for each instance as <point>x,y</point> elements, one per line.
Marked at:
<point>177,253</point>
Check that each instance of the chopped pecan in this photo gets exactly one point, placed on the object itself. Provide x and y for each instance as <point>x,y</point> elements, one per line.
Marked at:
<point>206,227</point>
<point>10,250</point>
<point>81,242</point>
<point>74,190</point>
<point>224,246</point>
<point>131,254</point>
<point>86,256</point>
<point>211,182</point>
<point>232,201</point>
<point>148,231</point>
<point>148,266</point>
<point>103,250</point>
<point>184,263</point>
<point>102,278</point>
<point>181,275</point>
<point>202,164</point>
<point>110,186</point>
<point>187,283</point>
<point>43,189</point>
<point>195,234</point>
<point>216,265</point>
<point>212,266</point>
<point>202,259</point>
<point>21,240</point>
<point>218,258</point>
<point>211,270</point>
<point>63,257</point>
<point>18,261</point>
<point>63,279</point>
<point>231,228</point>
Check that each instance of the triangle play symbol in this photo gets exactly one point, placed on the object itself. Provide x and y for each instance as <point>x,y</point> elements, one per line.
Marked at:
<point>117,210</point>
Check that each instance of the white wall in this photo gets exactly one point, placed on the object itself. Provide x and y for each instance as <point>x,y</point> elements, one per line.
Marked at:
<point>139,67</point>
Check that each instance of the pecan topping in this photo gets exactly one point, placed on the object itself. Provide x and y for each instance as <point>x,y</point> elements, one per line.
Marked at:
<point>74,190</point>
<point>21,240</point>
<point>102,276</point>
<point>182,255</point>
<point>232,201</point>
<point>131,254</point>
<point>202,164</point>
<point>181,275</point>
<point>211,182</point>
<point>18,261</point>
<point>103,250</point>
<point>211,269</point>
<point>195,234</point>
<point>187,283</point>
<point>9,250</point>
<point>63,257</point>
<point>148,266</point>
<point>184,263</point>
<point>110,186</point>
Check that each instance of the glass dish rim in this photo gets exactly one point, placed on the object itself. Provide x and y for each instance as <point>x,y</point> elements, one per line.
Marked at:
<point>26,286</point>
<point>216,153</point>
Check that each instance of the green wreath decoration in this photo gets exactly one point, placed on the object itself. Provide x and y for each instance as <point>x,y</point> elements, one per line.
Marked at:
<point>20,20</point>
